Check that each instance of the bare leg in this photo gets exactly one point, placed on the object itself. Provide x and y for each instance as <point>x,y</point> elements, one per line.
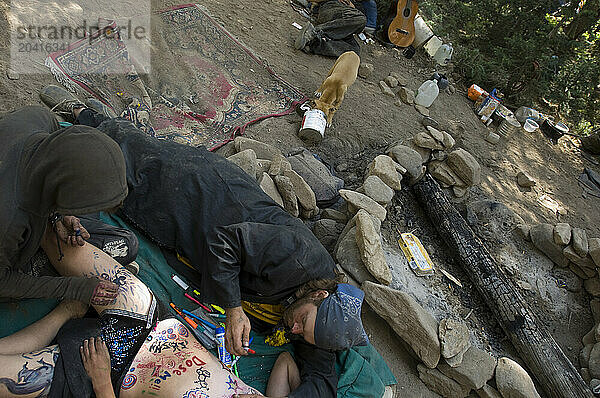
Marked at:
<point>39,334</point>
<point>87,260</point>
<point>26,364</point>
<point>285,376</point>
<point>27,374</point>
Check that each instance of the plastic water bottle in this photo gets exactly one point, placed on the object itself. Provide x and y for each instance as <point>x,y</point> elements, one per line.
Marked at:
<point>443,55</point>
<point>427,93</point>
<point>224,356</point>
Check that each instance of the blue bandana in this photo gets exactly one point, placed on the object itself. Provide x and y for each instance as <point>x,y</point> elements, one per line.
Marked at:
<point>338,325</point>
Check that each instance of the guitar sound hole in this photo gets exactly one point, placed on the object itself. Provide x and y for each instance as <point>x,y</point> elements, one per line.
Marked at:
<point>406,12</point>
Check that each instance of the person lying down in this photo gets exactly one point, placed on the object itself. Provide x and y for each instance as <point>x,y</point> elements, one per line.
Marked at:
<point>124,354</point>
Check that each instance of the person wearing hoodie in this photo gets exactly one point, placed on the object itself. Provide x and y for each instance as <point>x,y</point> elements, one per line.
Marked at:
<point>245,252</point>
<point>47,171</point>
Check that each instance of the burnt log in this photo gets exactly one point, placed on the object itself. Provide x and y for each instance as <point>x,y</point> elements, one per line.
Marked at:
<point>547,363</point>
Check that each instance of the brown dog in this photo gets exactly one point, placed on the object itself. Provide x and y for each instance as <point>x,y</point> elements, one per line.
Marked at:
<point>341,76</point>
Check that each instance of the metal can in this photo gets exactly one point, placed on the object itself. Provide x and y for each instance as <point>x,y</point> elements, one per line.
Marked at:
<point>313,126</point>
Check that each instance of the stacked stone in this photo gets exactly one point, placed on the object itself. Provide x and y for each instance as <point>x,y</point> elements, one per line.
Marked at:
<point>393,85</point>
<point>358,249</point>
<point>571,248</point>
<point>451,366</point>
<point>456,169</point>
<point>274,174</point>
<point>568,247</point>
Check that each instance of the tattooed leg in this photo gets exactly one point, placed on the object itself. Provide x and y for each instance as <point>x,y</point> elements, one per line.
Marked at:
<point>27,374</point>
<point>88,260</point>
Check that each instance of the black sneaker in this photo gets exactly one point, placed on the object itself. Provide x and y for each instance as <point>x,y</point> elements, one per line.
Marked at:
<point>307,34</point>
<point>60,101</point>
<point>99,107</point>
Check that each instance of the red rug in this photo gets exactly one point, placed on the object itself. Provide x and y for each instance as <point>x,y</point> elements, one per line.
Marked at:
<point>204,87</point>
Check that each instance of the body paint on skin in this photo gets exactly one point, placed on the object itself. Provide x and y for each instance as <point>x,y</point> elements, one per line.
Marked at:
<point>35,379</point>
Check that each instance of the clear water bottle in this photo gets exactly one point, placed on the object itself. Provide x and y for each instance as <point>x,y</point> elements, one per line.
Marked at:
<point>427,93</point>
<point>443,55</point>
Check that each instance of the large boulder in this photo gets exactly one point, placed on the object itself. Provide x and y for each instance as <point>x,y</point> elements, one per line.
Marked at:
<point>582,262</point>
<point>348,256</point>
<point>542,236</point>
<point>385,168</point>
<point>268,186</point>
<point>562,233</point>
<point>454,337</point>
<point>303,192</point>
<point>286,189</point>
<point>594,361</point>
<point>579,241</point>
<point>378,190</point>
<point>425,140</point>
<point>408,158</point>
<point>476,368</point>
<point>417,327</point>
<point>594,249</point>
<point>278,165</point>
<point>262,150</point>
<point>444,174</point>
<point>262,166</point>
<point>327,232</point>
<point>439,383</point>
<point>246,160</point>
<point>334,215</point>
<point>361,201</point>
<point>488,392</point>
<point>465,165</point>
<point>513,381</point>
<point>371,251</point>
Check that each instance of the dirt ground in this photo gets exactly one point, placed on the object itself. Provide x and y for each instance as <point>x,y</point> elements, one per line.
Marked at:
<point>364,126</point>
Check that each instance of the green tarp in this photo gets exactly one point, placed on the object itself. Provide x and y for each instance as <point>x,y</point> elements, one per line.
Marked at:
<point>362,371</point>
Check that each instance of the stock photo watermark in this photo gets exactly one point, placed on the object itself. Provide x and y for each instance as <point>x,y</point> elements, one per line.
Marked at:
<point>90,33</point>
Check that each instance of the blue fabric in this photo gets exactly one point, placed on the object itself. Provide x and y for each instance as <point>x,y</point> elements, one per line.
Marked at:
<point>369,8</point>
<point>338,325</point>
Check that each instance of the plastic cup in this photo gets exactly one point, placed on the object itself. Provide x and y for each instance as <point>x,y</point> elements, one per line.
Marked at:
<point>530,126</point>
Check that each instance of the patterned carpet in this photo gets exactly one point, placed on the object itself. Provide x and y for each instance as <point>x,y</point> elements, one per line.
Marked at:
<point>204,86</point>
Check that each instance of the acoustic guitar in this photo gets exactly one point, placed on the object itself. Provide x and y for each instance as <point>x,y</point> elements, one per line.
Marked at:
<point>401,31</point>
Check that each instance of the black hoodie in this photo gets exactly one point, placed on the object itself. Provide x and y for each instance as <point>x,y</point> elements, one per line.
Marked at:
<point>43,169</point>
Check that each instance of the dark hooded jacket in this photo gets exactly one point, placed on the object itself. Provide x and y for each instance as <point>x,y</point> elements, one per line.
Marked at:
<point>43,169</point>
<point>243,245</point>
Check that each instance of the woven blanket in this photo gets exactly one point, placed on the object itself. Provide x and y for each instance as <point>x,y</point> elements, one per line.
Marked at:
<point>204,86</point>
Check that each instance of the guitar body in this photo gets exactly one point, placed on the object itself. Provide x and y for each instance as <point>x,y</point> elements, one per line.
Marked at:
<point>401,31</point>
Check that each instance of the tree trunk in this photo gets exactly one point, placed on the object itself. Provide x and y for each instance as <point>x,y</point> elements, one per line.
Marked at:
<point>548,364</point>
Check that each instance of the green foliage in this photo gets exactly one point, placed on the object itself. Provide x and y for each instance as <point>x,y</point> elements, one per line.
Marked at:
<point>520,47</point>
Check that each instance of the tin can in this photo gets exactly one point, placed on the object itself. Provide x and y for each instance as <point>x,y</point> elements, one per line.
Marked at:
<point>313,126</point>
